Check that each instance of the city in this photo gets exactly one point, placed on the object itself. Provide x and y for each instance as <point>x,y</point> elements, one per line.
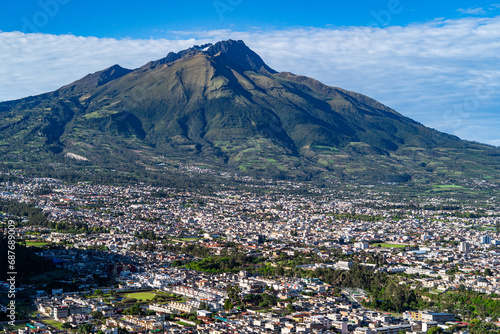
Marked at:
<point>249,167</point>
<point>243,263</point>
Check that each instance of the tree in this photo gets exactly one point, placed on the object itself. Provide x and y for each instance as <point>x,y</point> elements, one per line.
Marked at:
<point>96,314</point>
<point>401,331</point>
<point>177,263</point>
<point>85,329</point>
<point>128,300</point>
<point>66,325</point>
<point>204,306</point>
<point>228,305</point>
<point>434,330</point>
<point>268,300</point>
<point>134,310</point>
<point>233,292</point>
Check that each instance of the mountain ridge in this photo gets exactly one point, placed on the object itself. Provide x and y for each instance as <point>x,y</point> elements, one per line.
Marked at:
<point>220,105</point>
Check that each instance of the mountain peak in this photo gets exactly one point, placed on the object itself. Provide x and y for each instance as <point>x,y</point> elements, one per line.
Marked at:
<point>238,53</point>
<point>173,56</point>
<point>235,52</point>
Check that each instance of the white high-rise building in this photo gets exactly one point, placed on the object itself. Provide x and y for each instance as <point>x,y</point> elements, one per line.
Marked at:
<point>361,245</point>
<point>464,247</point>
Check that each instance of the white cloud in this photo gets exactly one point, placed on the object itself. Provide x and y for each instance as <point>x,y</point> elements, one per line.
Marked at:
<point>36,63</point>
<point>473,11</point>
<point>442,73</point>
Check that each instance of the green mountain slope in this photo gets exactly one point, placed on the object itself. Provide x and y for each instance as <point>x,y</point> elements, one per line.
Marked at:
<point>221,105</point>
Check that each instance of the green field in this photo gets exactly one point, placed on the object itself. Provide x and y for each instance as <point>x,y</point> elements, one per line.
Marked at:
<point>188,239</point>
<point>449,186</point>
<point>324,148</point>
<point>141,296</point>
<point>53,323</point>
<point>184,324</point>
<point>36,243</point>
<point>386,245</point>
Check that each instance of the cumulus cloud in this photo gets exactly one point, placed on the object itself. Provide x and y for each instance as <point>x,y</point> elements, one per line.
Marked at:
<point>442,73</point>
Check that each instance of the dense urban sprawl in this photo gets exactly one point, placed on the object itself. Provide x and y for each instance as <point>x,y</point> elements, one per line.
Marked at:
<point>147,259</point>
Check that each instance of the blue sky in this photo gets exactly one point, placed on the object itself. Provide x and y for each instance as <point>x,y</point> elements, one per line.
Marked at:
<point>436,62</point>
<point>156,19</point>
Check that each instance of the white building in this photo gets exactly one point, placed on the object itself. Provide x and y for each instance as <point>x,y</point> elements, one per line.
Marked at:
<point>464,247</point>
